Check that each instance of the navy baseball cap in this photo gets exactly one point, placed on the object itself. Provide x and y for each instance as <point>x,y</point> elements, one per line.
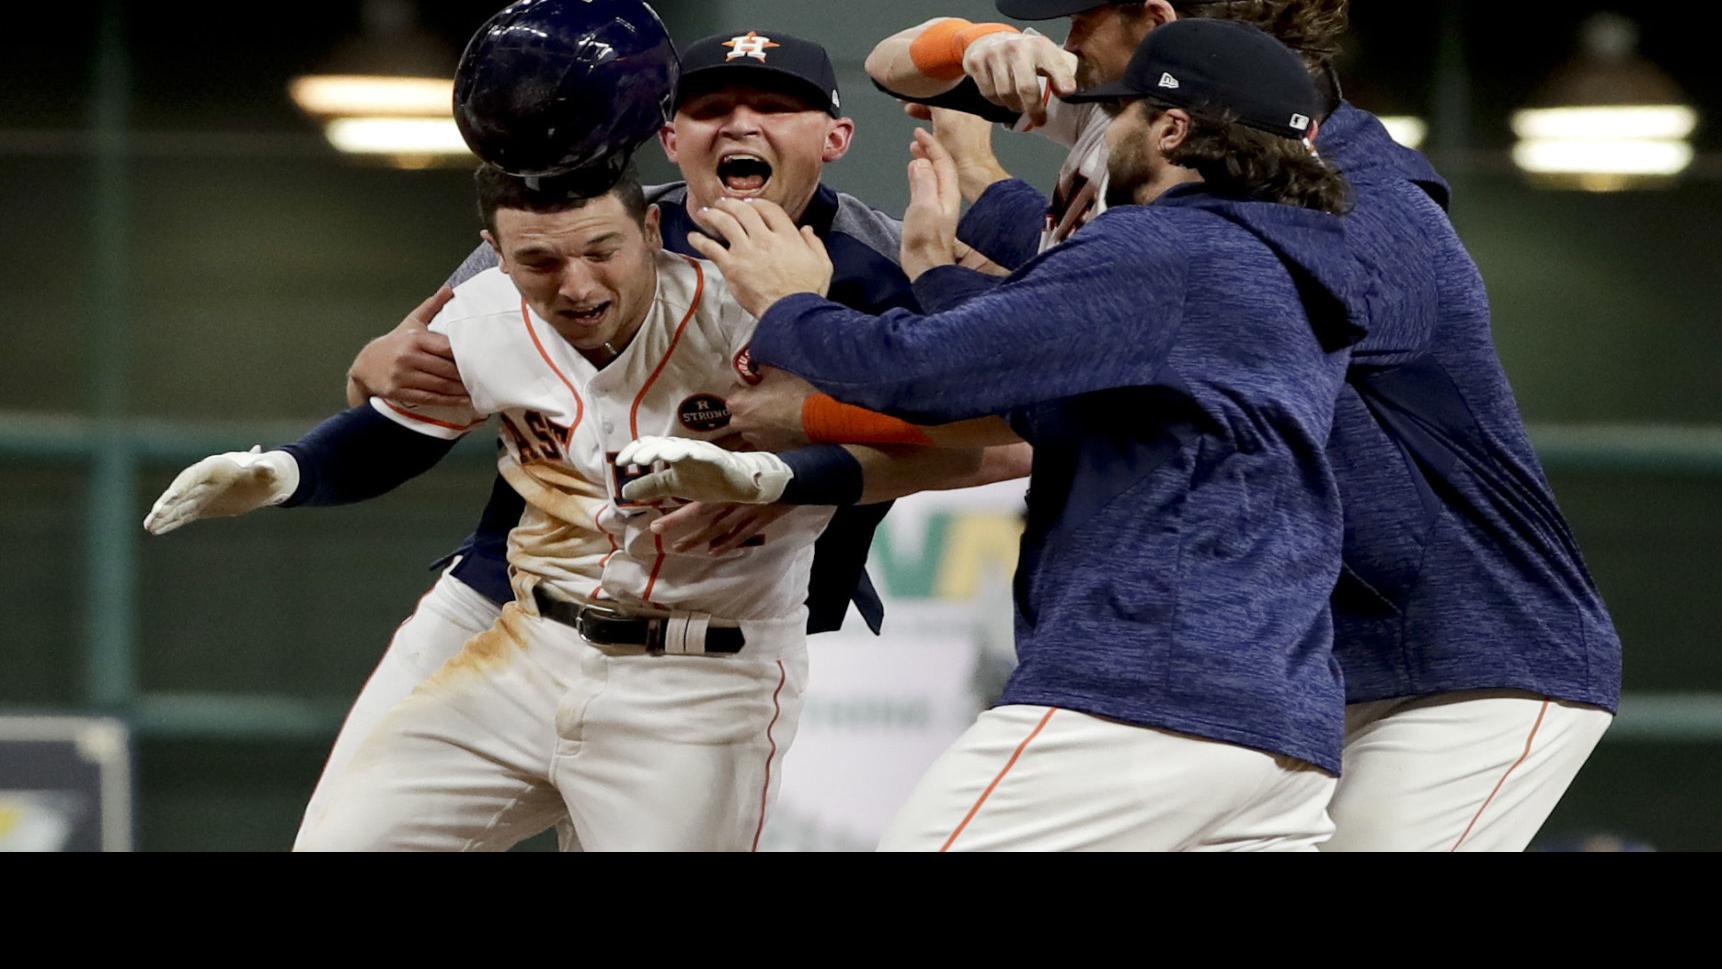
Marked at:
<point>1214,66</point>
<point>769,59</point>
<point>1046,9</point>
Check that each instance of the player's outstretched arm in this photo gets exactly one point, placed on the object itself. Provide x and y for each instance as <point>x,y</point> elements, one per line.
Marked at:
<point>821,475</point>
<point>784,412</point>
<point>351,457</point>
<point>224,485</point>
<point>891,473</point>
<point>888,474</point>
<point>892,65</point>
<point>936,57</point>
<point>1084,317</point>
<point>702,471</point>
<point>1087,316</point>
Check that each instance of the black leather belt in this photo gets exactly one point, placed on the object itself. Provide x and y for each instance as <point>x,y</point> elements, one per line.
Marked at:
<point>607,627</point>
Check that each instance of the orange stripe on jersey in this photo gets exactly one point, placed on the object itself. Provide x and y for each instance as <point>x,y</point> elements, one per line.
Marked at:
<point>598,590</point>
<point>634,414</point>
<point>699,292</point>
<point>657,568</point>
<point>579,404</point>
<point>463,428</point>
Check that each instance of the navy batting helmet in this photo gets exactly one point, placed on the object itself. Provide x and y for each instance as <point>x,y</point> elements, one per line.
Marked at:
<point>566,88</point>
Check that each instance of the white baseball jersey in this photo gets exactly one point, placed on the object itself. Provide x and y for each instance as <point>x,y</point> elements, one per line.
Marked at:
<point>564,420</point>
<point>1081,191</point>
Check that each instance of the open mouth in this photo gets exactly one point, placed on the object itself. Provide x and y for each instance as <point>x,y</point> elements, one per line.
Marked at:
<point>743,174</point>
<point>586,317</point>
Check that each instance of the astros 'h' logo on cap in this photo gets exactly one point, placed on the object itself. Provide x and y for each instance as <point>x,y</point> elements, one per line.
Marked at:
<point>750,44</point>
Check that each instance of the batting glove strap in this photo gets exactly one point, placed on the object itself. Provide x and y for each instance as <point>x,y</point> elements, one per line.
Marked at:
<point>825,474</point>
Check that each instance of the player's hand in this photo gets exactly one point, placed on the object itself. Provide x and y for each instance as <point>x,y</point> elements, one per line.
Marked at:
<point>969,139</point>
<point>702,471</point>
<point>767,257</point>
<point>1008,67</point>
<point>718,528</point>
<point>410,364</point>
<point>224,485</point>
<point>768,415</point>
<point>935,204</point>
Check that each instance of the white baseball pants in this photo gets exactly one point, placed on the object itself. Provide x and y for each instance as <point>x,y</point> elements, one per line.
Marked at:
<point>1472,771</point>
<point>446,617</point>
<point>1032,778</point>
<point>529,723</point>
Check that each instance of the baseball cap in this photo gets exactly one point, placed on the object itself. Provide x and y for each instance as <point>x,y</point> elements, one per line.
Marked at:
<point>769,59</point>
<point>1046,9</point>
<point>1210,66</point>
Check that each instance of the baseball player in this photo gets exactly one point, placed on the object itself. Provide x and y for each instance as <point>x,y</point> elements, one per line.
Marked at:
<point>1175,365</point>
<point>647,696</point>
<point>1481,665</point>
<point>455,610</point>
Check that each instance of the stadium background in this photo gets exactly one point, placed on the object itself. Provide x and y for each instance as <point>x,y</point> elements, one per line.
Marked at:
<point>187,266</point>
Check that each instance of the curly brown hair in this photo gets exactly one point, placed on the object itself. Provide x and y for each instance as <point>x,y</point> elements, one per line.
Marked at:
<point>1243,162</point>
<point>1311,27</point>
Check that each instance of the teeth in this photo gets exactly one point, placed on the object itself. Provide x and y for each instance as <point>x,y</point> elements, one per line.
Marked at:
<point>743,156</point>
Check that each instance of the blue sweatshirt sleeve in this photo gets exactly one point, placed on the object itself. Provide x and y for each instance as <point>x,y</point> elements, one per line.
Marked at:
<point>1005,223</point>
<point>1097,313</point>
<point>357,455</point>
<point>947,287</point>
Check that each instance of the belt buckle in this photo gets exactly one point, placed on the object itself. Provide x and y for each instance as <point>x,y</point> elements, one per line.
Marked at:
<point>603,613</point>
<point>654,638</point>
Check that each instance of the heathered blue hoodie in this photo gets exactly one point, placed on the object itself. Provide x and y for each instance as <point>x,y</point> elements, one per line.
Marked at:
<point>1176,367</point>
<point>1460,571</point>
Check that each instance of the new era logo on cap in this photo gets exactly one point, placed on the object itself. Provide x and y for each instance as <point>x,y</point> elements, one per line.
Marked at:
<point>749,44</point>
<point>1223,68</point>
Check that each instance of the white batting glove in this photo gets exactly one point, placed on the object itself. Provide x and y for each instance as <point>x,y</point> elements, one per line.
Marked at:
<point>702,471</point>
<point>224,485</point>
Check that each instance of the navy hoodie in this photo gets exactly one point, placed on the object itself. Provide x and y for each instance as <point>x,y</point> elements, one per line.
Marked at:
<point>1176,367</point>
<point>1460,571</point>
